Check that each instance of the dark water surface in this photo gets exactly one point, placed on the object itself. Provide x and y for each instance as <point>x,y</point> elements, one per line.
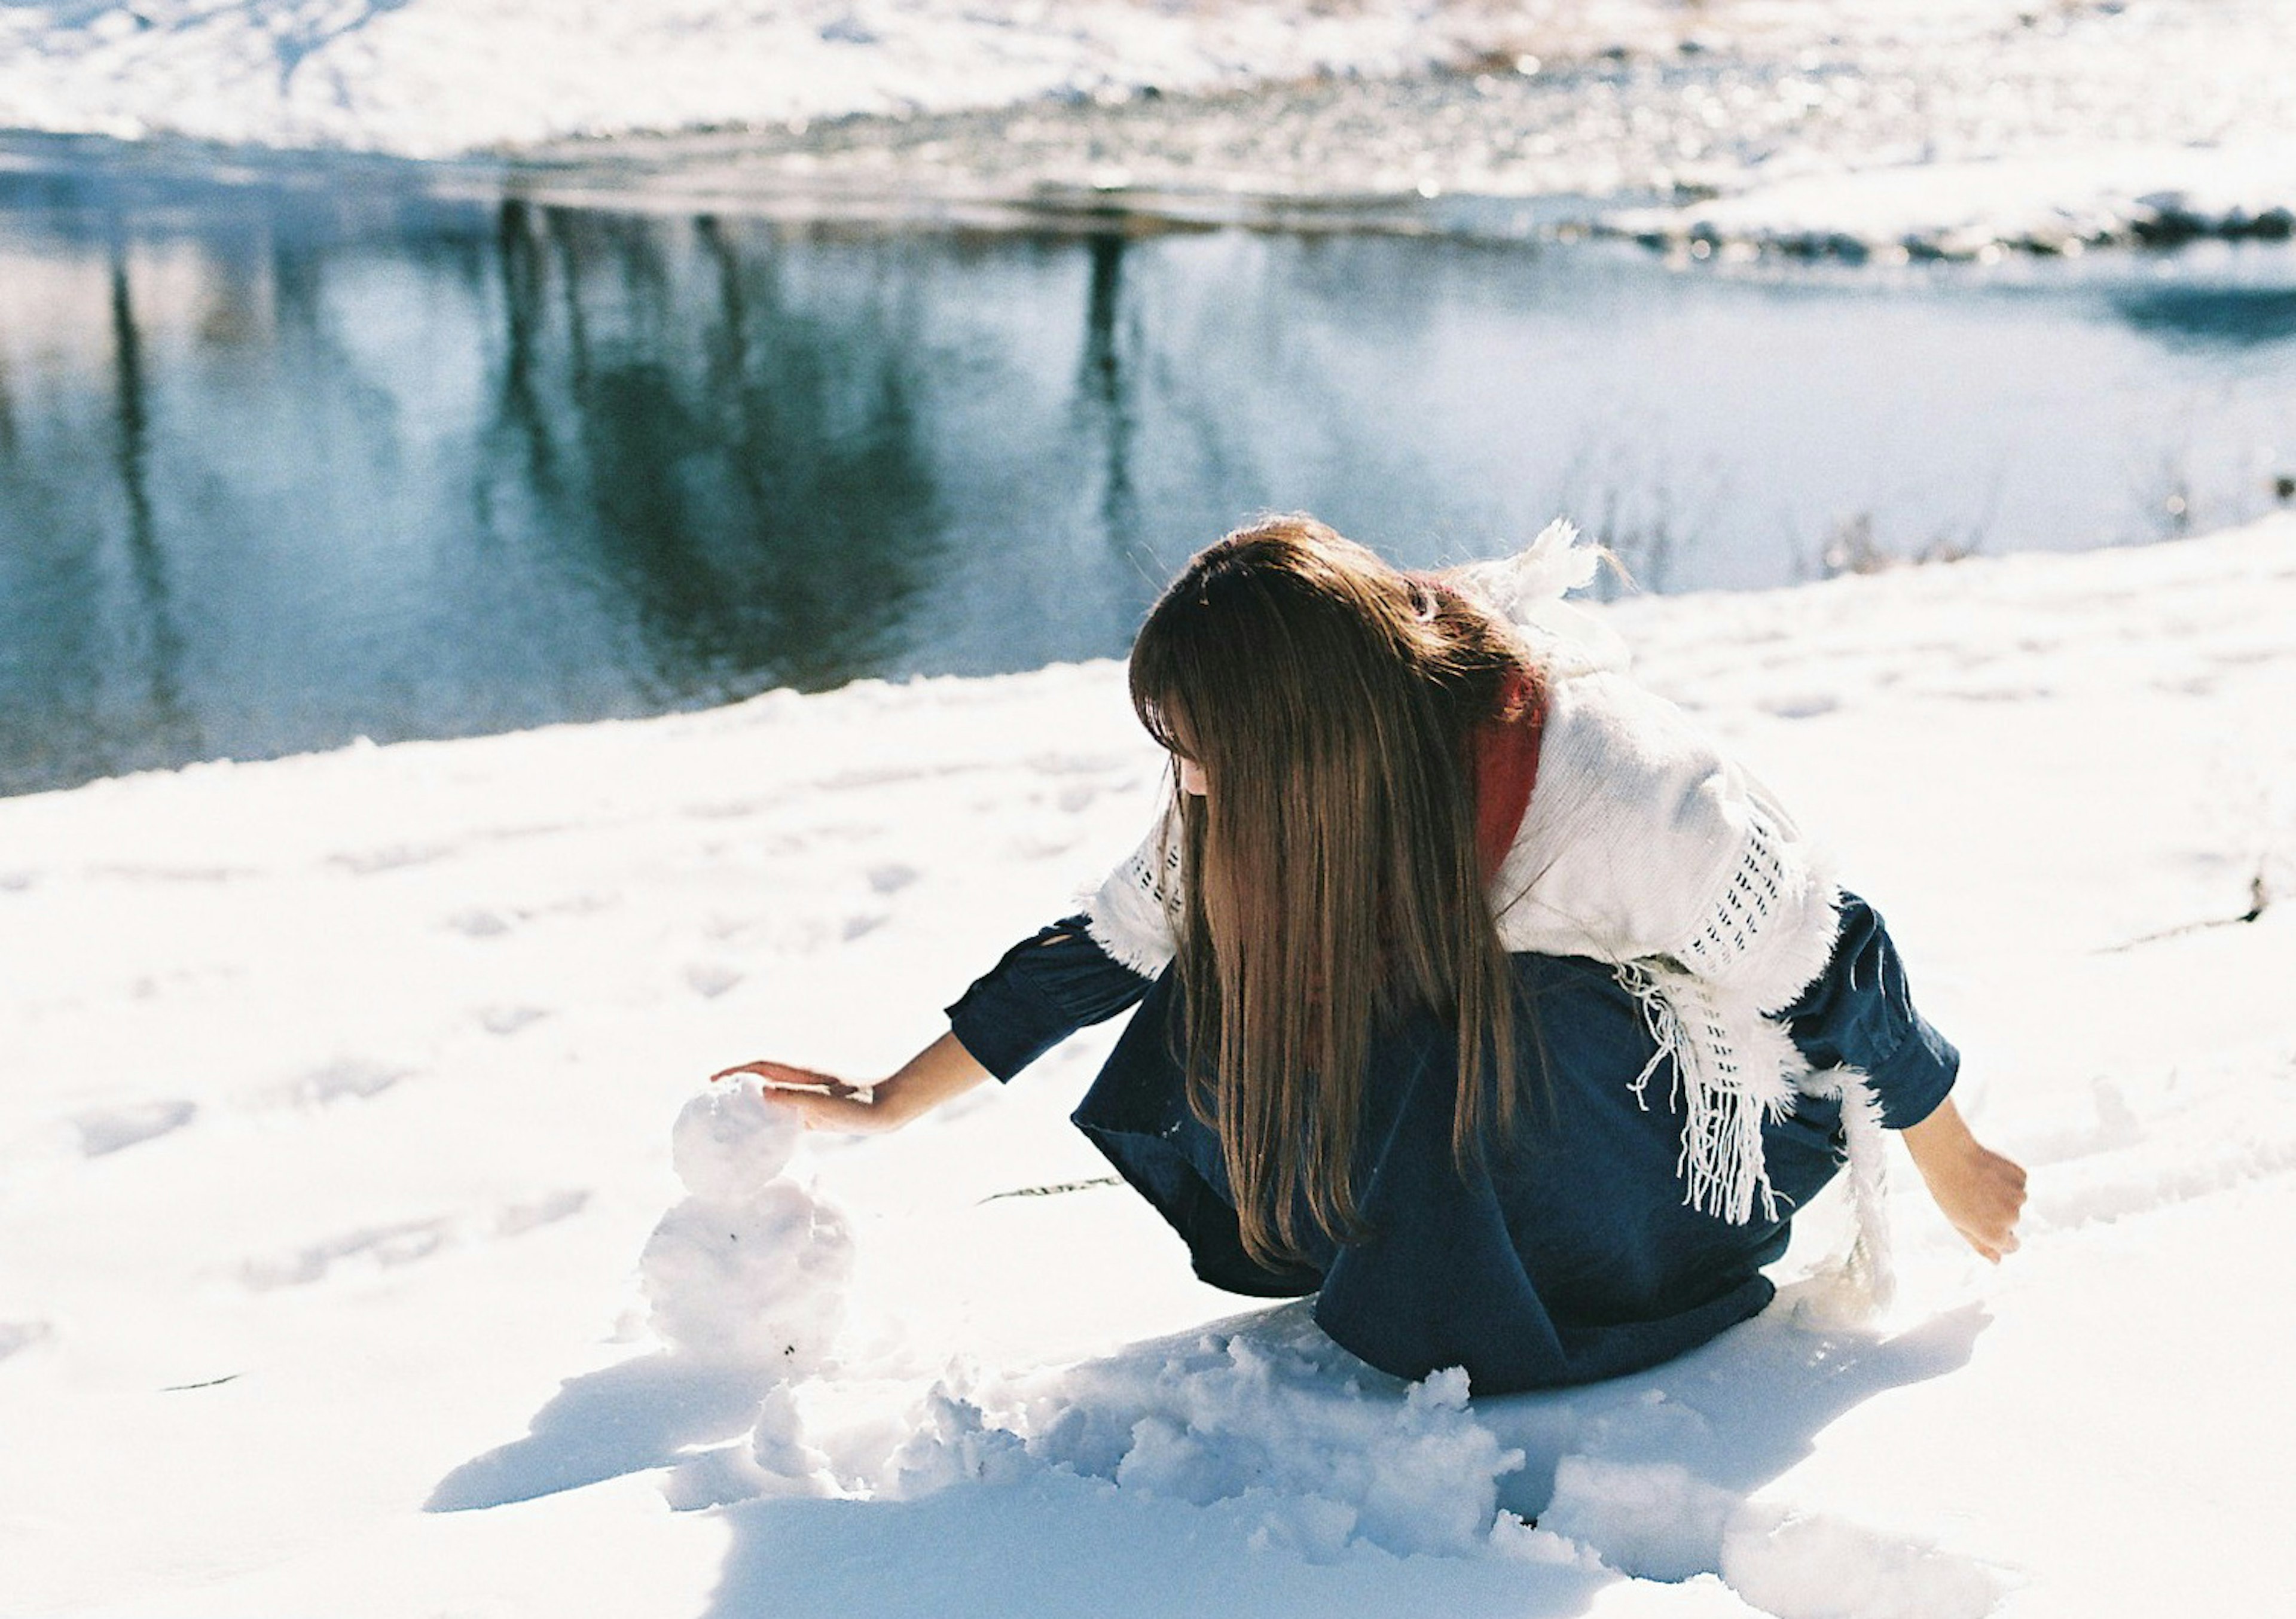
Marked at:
<point>319,454</point>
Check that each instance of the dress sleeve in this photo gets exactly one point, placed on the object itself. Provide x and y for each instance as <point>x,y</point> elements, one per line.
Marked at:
<point>1860,1013</point>
<point>1043,990</point>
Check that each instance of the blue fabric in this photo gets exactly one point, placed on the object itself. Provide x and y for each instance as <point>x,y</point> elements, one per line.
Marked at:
<point>1572,1256</point>
<point>1043,990</point>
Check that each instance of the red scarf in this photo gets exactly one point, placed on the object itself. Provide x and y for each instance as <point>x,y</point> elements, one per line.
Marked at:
<point>1506,768</point>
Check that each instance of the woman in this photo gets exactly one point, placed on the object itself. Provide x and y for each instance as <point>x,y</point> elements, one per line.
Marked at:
<point>1480,995</point>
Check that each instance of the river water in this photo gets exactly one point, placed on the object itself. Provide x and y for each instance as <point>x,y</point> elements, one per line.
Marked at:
<point>314,452</point>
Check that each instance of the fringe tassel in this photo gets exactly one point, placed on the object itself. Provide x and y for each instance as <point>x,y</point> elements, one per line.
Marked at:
<point>1723,1098</point>
<point>1869,1273</point>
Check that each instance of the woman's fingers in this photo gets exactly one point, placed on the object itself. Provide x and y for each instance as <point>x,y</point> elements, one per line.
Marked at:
<point>1980,1192</point>
<point>1995,1198</point>
<point>784,1075</point>
<point>850,1110</point>
<point>821,1101</point>
<point>781,1080</point>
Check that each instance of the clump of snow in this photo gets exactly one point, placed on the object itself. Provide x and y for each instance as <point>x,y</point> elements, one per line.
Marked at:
<point>752,1267</point>
<point>1274,1416</point>
<point>1414,1474</point>
<point>1312,1451</point>
<point>1807,1566</point>
<point>1654,1520</point>
<point>950,1441</point>
<point>2056,201</point>
<point>1657,1521</point>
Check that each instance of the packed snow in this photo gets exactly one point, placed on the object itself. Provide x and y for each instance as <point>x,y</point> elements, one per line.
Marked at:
<point>376,1246</point>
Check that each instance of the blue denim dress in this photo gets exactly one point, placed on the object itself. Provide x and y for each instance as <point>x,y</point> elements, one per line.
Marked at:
<point>1570,1253</point>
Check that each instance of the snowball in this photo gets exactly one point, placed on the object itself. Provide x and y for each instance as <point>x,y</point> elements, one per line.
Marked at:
<point>954,1442</point>
<point>728,1143</point>
<point>760,1281</point>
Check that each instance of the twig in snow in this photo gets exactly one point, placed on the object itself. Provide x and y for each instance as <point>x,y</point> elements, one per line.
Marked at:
<point>1055,1189</point>
<point>2260,898</point>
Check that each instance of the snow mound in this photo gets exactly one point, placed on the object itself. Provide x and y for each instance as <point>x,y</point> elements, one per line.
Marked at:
<point>751,1268</point>
<point>1809,1565</point>
<point>1284,1415</point>
<point>1270,1420</point>
<point>2059,203</point>
<point>1657,1521</point>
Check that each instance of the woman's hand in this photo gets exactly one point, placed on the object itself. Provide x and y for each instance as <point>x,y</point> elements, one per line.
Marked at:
<point>1981,1192</point>
<point>822,1101</point>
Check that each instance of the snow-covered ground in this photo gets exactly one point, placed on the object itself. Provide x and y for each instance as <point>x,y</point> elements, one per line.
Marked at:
<point>2055,203</point>
<point>348,1269</point>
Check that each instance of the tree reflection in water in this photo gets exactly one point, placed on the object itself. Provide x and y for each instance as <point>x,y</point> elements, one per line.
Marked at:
<point>278,470</point>
<point>739,477</point>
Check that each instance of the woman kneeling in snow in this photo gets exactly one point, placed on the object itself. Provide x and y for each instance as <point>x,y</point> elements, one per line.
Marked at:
<point>1479,994</point>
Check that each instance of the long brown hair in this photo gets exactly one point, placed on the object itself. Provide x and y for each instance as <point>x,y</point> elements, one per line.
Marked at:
<point>1332,881</point>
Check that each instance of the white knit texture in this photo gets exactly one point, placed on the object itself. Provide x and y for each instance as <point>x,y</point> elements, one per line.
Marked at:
<point>1135,914</point>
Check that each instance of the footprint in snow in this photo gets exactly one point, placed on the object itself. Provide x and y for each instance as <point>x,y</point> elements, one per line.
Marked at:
<point>711,978</point>
<point>510,1020</point>
<point>479,923</point>
<point>391,856</point>
<point>386,1248</point>
<point>347,1079</point>
<point>16,1335</point>
<point>115,1129</point>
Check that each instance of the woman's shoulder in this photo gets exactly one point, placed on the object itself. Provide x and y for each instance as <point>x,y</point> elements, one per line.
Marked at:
<point>1646,838</point>
<point>1613,750</point>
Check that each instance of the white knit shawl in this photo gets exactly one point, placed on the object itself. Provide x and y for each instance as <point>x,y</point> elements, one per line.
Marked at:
<point>1646,846</point>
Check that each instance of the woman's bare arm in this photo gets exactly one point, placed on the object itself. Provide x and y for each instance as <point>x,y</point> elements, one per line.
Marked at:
<point>1976,1188</point>
<point>940,1072</point>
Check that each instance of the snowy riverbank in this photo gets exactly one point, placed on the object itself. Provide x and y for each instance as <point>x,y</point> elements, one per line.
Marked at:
<point>1876,126</point>
<point>434,78</point>
<point>339,1113</point>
